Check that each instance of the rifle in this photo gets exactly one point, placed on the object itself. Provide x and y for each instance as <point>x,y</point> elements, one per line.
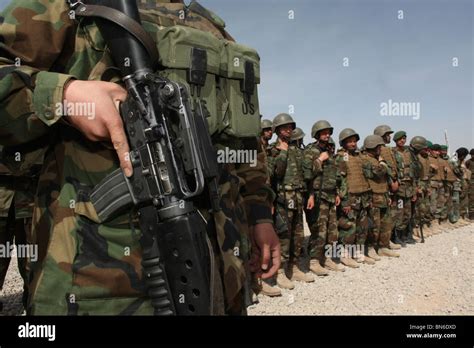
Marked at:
<point>173,162</point>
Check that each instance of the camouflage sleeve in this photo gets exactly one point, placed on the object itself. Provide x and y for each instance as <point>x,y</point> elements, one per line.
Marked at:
<point>342,189</point>
<point>35,43</point>
<point>280,161</point>
<point>257,194</point>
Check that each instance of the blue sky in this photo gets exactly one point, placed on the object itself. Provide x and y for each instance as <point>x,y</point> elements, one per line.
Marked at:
<point>408,60</point>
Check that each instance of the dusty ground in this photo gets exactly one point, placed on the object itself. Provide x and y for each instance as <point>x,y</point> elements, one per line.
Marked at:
<point>431,278</point>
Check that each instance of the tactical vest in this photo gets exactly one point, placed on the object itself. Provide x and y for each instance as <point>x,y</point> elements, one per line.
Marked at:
<point>425,167</point>
<point>192,40</point>
<point>356,181</point>
<point>441,165</point>
<point>377,185</point>
<point>389,157</point>
<point>450,176</point>
<point>329,175</point>
<point>437,175</point>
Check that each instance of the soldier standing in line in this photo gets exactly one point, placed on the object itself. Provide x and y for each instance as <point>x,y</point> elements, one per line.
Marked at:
<point>378,174</point>
<point>321,176</point>
<point>388,155</point>
<point>466,177</point>
<point>266,135</point>
<point>470,166</point>
<point>354,191</point>
<point>286,174</point>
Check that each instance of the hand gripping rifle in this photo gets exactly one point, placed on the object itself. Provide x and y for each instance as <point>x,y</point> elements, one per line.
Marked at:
<point>173,161</point>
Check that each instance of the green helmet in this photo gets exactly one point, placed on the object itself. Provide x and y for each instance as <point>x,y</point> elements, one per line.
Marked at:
<point>346,133</point>
<point>382,130</point>
<point>266,124</point>
<point>372,141</point>
<point>398,135</point>
<point>418,143</point>
<point>444,148</point>
<point>429,144</point>
<point>297,134</point>
<point>319,126</point>
<point>436,147</point>
<point>281,120</point>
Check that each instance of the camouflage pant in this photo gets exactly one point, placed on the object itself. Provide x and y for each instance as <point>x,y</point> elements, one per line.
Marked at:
<point>323,231</point>
<point>471,198</point>
<point>447,207</point>
<point>423,211</point>
<point>436,199</point>
<point>464,202</point>
<point>381,229</point>
<point>353,227</point>
<point>402,214</point>
<point>454,206</point>
<point>291,241</point>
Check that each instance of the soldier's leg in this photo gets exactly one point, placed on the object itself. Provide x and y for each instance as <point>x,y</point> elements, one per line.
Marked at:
<point>7,232</point>
<point>407,216</point>
<point>284,236</point>
<point>362,227</point>
<point>330,249</point>
<point>471,198</point>
<point>317,252</point>
<point>454,214</point>
<point>397,216</point>
<point>373,233</point>
<point>347,238</point>
<point>386,225</point>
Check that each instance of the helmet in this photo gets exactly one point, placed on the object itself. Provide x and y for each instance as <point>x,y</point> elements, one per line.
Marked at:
<point>331,142</point>
<point>372,141</point>
<point>297,134</point>
<point>436,147</point>
<point>382,130</point>
<point>282,119</point>
<point>471,152</point>
<point>319,126</point>
<point>399,135</point>
<point>444,148</point>
<point>429,144</point>
<point>346,133</point>
<point>418,143</point>
<point>266,124</point>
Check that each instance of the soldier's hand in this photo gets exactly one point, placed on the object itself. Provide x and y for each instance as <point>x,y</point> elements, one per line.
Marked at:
<point>282,145</point>
<point>394,186</point>
<point>414,198</point>
<point>338,200</point>
<point>106,124</point>
<point>310,204</point>
<point>346,210</point>
<point>266,254</point>
<point>323,156</point>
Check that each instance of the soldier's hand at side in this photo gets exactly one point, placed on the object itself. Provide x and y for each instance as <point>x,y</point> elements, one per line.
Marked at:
<point>310,204</point>
<point>323,156</point>
<point>346,210</point>
<point>265,250</point>
<point>106,124</point>
<point>394,186</point>
<point>338,200</point>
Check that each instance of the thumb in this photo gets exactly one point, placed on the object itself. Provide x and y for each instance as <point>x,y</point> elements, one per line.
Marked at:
<point>265,256</point>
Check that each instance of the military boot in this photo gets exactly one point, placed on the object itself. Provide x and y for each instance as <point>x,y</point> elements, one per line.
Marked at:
<point>316,268</point>
<point>298,275</point>
<point>409,236</point>
<point>387,252</point>
<point>373,254</point>
<point>435,228</point>
<point>397,239</point>
<point>330,264</point>
<point>361,258</point>
<point>347,260</point>
<point>269,290</point>
<point>416,234</point>
<point>282,281</point>
<point>395,246</point>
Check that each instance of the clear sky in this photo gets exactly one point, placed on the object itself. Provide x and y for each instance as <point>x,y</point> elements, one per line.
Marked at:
<point>403,60</point>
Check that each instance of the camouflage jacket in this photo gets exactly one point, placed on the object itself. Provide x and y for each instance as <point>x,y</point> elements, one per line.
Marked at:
<point>378,173</point>
<point>320,177</point>
<point>86,257</point>
<point>285,167</point>
<point>409,169</point>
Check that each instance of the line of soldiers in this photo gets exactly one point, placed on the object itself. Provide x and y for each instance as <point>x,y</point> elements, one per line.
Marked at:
<point>360,204</point>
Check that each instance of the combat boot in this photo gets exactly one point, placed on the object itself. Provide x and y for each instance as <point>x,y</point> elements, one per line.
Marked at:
<point>316,268</point>
<point>282,281</point>
<point>330,264</point>
<point>373,254</point>
<point>435,227</point>
<point>348,261</point>
<point>387,252</point>
<point>298,275</point>
<point>409,237</point>
<point>395,246</point>
<point>397,239</point>
<point>361,258</point>
<point>269,290</point>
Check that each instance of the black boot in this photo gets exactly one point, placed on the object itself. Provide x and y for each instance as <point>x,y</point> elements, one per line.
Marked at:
<point>397,239</point>
<point>409,236</point>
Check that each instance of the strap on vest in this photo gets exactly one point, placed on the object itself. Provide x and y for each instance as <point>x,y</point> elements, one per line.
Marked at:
<point>122,20</point>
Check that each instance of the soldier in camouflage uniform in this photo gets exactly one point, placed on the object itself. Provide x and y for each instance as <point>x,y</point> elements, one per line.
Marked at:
<point>88,266</point>
<point>424,193</point>
<point>378,173</point>
<point>287,180</point>
<point>389,156</point>
<point>437,188</point>
<point>470,166</point>
<point>406,194</point>
<point>355,196</point>
<point>266,135</point>
<point>466,177</point>
<point>321,176</point>
<point>297,138</point>
<point>454,176</point>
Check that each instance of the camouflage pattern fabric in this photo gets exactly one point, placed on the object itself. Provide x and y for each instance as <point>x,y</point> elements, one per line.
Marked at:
<point>87,266</point>
<point>470,166</point>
